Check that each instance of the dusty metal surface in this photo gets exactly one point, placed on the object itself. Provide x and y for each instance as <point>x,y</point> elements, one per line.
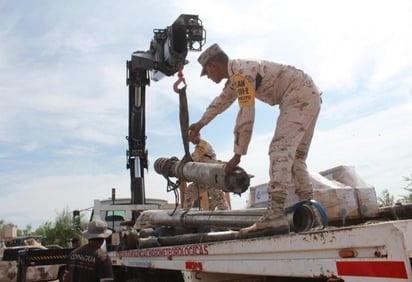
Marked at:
<point>221,219</point>
<point>208,174</point>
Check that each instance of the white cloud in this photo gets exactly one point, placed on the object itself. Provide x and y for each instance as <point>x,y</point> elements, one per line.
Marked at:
<point>65,99</point>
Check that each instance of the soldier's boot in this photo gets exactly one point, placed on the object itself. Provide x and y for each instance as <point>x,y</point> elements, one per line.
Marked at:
<point>191,194</point>
<point>305,195</point>
<point>222,205</point>
<point>218,197</point>
<point>274,218</point>
<point>187,204</point>
<point>308,195</point>
<point>188,200</point>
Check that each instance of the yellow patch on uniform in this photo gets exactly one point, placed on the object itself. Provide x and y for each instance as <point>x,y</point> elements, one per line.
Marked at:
<point>244,89</point>
<point>201,148</point>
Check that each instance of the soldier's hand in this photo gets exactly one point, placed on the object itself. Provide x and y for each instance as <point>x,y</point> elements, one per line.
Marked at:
<point>231,165</point>
<point>194,129</point>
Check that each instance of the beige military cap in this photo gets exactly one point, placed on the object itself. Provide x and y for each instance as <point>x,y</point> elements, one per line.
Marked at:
<point>208,54</point>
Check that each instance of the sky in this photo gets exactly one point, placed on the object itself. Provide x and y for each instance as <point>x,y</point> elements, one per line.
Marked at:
<point>64,98</point>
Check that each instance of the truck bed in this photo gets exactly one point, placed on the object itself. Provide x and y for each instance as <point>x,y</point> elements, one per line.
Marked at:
<point>367,252</point>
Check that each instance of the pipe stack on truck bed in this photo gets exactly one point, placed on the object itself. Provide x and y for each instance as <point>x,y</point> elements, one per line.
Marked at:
<point>362,253</point>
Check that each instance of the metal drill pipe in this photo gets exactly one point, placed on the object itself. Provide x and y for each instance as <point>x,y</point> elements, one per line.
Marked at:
<point>300,219</point>
<point>208,174</point>
<point>198,238</point>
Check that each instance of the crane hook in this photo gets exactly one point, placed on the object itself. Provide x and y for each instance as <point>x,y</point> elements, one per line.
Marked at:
<point>180,79</point>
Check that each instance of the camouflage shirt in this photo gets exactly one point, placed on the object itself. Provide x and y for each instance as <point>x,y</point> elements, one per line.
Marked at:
<point>250,79</point>
<point>204,153</point>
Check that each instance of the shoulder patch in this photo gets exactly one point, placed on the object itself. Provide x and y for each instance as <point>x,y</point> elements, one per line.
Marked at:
<point>244,89</point>
<point>201,148</point>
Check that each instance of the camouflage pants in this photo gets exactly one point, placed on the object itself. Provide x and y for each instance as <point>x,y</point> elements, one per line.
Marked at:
<point>289,147</point>
<point>194,191</point>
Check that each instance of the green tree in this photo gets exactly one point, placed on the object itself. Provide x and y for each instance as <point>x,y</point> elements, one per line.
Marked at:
<point>386,199</point>
<point>26,231</point>
<point>58,232</point>
<point>407,198</point>
<point>61,231</point>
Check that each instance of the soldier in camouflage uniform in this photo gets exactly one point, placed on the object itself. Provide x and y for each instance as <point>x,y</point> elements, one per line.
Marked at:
<point>203,153</point>
<point>299,104</point>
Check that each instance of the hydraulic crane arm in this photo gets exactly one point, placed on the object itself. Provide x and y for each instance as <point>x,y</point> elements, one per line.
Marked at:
<point>166,56</point>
